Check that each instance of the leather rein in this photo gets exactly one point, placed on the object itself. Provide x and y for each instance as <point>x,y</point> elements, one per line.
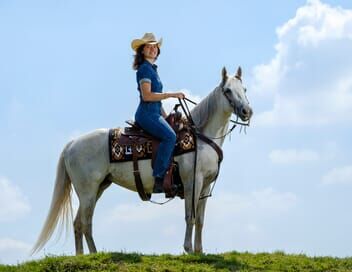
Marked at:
<point>208,140</point>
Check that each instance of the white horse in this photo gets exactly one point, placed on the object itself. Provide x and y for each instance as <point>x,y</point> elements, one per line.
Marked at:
<point>84,164</point>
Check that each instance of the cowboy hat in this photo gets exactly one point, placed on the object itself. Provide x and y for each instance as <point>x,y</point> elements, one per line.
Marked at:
<point>148,38</point>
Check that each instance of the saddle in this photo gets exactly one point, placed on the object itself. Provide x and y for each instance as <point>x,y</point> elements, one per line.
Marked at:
<point>132,143</point>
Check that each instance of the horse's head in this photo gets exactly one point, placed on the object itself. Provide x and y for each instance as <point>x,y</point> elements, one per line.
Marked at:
<point>235,95</point>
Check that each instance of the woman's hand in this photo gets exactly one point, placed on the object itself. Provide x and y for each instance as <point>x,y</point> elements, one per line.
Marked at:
<point>180,95</point>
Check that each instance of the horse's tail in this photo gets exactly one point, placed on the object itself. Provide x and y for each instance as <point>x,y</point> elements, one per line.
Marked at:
<point>60,207</point>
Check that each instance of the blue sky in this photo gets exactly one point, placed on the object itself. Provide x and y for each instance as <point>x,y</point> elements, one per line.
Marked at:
<point>65,69</point>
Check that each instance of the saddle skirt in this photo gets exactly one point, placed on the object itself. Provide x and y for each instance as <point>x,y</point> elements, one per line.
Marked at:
<point>122,141</point>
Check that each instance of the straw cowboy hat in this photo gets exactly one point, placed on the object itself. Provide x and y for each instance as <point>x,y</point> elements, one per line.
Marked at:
<point>148,38</point>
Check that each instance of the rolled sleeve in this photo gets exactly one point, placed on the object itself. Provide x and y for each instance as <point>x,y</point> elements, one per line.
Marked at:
<point>142,80</point>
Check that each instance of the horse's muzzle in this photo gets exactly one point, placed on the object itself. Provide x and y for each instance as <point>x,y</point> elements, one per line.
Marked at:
<point>245,113</point>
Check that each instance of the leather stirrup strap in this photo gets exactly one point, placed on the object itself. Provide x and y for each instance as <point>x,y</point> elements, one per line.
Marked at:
<point>137,177</point>
<point>168,182</point>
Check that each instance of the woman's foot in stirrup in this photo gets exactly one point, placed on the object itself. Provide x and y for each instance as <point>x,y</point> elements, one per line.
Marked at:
<point>158,185</point>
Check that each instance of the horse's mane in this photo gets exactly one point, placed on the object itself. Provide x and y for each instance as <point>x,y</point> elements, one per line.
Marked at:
<point>201,112</point>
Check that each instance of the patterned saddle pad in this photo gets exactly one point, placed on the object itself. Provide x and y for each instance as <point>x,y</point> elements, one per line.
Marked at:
<point>121,141</point>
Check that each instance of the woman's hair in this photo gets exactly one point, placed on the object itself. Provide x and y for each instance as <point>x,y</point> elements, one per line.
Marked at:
<point>139,57</point>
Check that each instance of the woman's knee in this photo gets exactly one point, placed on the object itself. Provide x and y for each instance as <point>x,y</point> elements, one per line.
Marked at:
<point>172,137</point>
<point>169,137</point>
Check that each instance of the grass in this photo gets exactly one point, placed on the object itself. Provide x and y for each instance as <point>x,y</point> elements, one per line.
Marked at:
<point>231,261</point>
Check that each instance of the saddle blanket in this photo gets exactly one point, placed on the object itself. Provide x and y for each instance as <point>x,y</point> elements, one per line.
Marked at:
<point>121,144</point>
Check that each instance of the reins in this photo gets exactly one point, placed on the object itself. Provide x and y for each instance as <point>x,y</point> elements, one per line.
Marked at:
<point>187,112</point>
<point>161,203</point>
<point>208,140</point>
<point>189,117</point>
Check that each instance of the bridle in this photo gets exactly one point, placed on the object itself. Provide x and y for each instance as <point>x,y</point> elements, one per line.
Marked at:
<point>232,104</point>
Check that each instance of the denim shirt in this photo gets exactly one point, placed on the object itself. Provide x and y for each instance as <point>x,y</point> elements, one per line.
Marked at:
<point>147,72</point>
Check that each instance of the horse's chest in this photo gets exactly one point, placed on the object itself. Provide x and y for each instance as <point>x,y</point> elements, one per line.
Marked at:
<point>209,166</point>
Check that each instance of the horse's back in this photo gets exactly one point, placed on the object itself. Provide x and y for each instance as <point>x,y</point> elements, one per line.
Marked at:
<point>87,157</point>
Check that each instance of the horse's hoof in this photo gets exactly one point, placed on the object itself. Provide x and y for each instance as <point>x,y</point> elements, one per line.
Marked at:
<point>188,250</point>
<point>198,251</point>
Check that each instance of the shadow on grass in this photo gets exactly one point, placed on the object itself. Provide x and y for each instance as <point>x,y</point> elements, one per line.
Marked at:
<point>216,261</point>
<point>125,257</point>
<point>229,262</point>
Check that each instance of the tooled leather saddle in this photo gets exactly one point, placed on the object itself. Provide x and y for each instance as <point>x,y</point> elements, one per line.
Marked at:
<point>132,143</point>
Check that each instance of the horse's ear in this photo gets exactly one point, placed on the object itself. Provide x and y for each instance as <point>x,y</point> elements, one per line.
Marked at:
<point>239,72</point>
<point>224,76</point>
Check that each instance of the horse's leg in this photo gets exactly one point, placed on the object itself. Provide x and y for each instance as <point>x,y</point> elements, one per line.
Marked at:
<point>198,246</point>
<point>102,187</point>
<point>86,214</point>
<point>88,228</point>
<point>190,217</point>
<point>90,211</point>
<point>187,245</point>
<point>78,233</point>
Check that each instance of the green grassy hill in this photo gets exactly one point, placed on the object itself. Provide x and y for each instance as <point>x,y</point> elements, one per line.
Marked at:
<point>232,261</point>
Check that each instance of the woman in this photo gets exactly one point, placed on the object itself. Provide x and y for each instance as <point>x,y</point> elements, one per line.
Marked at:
<point>150,114</point>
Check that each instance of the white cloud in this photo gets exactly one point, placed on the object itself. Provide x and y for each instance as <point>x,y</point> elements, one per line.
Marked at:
<point>145,227</point>
<point>13,203</point>
<point>341,175</point>
<point>142,226</point>
<point>266,202</point>
<point>140,212</point>
<point>245,220</point>
<point>310,77</point>
<point>288,156</point>
<point>13,251</point>
<point>169,104</point>
<point>169,219</point>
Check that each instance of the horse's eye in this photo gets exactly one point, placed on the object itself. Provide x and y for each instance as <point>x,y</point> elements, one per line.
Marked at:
<point>245,90</point>
<point>227,90</point>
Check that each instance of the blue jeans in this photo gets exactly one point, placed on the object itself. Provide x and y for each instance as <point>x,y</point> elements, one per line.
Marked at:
<point>150,119</point>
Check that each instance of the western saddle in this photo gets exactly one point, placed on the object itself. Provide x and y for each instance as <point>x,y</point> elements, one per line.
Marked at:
<point>133,144</point>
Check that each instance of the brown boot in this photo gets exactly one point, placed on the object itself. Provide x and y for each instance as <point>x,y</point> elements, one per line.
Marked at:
<point>158,185</point>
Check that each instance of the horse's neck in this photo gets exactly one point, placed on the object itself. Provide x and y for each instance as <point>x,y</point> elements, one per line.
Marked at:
<point>218,122</point>
<point>216,128</point>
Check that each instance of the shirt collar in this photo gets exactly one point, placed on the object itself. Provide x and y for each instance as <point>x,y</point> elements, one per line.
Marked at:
<point>155,67</point>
